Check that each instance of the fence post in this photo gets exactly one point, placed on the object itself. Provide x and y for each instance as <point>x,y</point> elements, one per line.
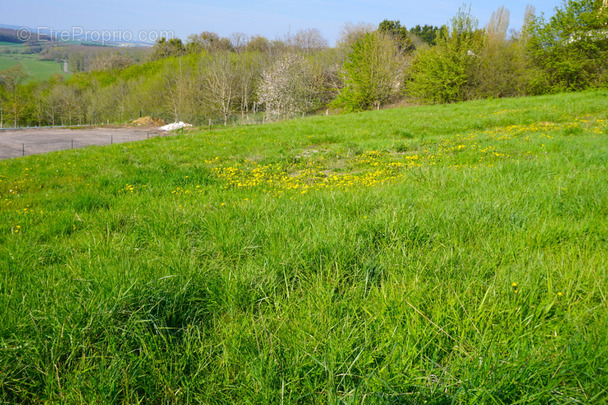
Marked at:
<point>23,149</point>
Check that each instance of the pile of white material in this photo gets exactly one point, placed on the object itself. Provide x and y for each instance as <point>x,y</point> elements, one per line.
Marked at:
<point>174,126</point>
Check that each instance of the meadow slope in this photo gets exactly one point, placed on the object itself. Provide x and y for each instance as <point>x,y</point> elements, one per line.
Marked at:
<point>35,69</point>
<point>446,254</point>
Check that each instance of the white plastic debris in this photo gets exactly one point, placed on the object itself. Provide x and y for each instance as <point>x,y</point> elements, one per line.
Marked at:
<point>174,126</point>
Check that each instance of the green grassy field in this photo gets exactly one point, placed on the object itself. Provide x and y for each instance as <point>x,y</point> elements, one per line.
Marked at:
<point>11,46</point>
<point>447,254</point>
<point>36,69</point>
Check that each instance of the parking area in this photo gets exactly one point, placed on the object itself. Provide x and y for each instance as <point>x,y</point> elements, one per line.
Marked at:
<point>32,141</point>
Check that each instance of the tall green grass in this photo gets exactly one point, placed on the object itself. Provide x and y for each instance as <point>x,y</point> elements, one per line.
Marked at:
<point>449,254</point>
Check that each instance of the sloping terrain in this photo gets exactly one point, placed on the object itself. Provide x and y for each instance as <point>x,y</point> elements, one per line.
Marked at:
<point>448,254</point>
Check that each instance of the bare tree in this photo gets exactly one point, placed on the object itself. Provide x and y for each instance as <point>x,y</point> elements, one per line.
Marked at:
<point>496,30</point>
<point>500,63</point>
<point>250,67</point>
<point>220,75</point>
<point>239,41</point>
<point>529,17</point>
<point>308,40</point>
<point>179,83</point>
<point>351,33</point>
<point>111,62</point>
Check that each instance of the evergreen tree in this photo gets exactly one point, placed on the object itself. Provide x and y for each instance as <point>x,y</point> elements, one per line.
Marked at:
<point>398,32</point>
<point>427,34</point>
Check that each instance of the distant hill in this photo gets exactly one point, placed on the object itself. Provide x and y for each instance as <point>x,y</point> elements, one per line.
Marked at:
<point>12,35</point>
<point>9,35</point>
<point>13,27</point>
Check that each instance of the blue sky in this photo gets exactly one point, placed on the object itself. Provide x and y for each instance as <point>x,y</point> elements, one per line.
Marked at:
<point>271,18</point>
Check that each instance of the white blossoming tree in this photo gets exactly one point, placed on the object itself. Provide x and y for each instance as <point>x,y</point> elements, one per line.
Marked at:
<point>288,88</point>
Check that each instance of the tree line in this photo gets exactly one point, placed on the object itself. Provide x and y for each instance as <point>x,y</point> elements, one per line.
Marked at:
<point>248,78</point>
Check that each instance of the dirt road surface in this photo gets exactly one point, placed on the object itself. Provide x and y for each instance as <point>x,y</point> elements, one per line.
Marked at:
<point>25,142</point>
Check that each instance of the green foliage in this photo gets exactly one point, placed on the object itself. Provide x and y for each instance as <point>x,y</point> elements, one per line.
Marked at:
<point>207,42</point>
<point>210,78</point>
<point>442,254</point>
<point>503,67</point>
<point>83,57</point>
<point>373,73</point>
<point>35,68</point>
<point>77,62</point>
<point>164,48</point>
<point>172,88</point>
<point>503,70</point>
<point>440,74</point>
<point>428,33</point>
<point>13,100</point>
<point>258,43</point>
<point>437,77</point>
<point>572,47</point>
<point>398,32</point>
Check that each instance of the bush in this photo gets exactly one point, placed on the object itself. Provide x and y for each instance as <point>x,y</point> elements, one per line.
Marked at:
<point>372,73</point>
<point>441,74</point>
<point>571,48</point>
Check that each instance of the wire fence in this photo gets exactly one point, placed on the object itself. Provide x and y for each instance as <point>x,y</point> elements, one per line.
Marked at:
<point>201,121</point>
<point>32,140</point>
<point>24,143</point>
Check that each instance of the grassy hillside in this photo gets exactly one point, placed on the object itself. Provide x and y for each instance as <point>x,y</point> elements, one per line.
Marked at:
<point>11,46</point>
<point>36,69</point>
<point>448,254</point>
